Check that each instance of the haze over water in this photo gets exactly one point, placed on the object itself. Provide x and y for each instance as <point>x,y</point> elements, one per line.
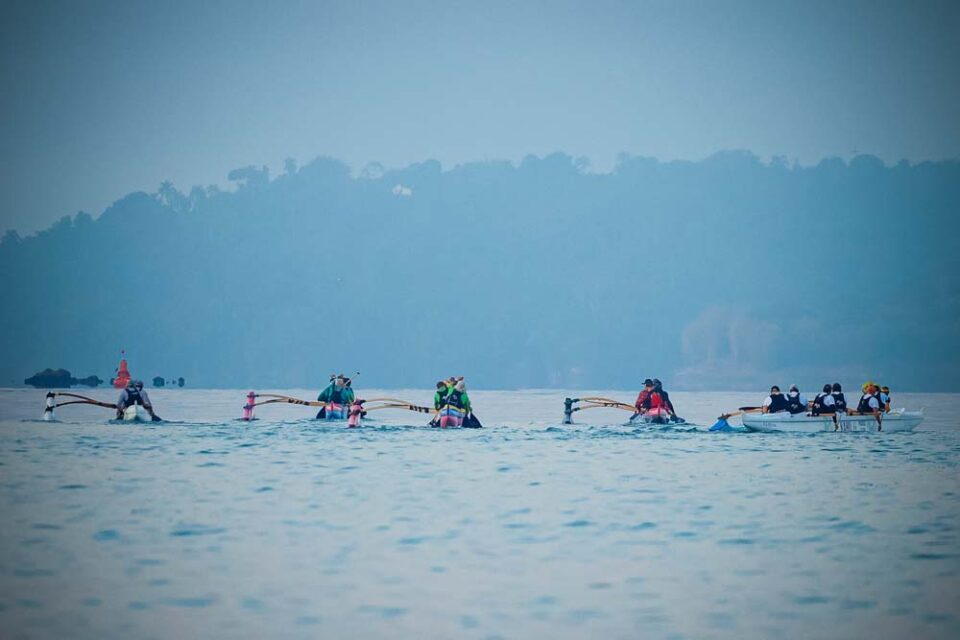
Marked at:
<point>546,194</point>
<point>286,527</point>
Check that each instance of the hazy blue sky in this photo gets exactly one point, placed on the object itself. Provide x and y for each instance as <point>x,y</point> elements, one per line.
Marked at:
<point>102,98</point>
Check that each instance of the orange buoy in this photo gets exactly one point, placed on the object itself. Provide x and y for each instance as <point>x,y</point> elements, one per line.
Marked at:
<point>123,375</point>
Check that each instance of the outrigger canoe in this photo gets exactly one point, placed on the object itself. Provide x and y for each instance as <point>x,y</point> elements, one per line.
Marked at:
<point>659,415</point>
<point>898,420</point>
<point>331,411</point>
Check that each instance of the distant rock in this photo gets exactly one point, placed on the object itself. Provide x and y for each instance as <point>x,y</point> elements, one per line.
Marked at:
<point>60,379</point>
<point>159,382</point>
<point>89,381</point>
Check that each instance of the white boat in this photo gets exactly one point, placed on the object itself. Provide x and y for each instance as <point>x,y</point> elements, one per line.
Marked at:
<point>136,413</point>
<point>897,420</point>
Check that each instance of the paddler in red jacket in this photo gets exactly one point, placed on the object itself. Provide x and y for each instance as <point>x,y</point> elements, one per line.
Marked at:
<point>641,404</point>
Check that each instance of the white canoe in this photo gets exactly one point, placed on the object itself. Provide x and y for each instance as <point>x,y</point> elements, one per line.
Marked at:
<point>897,420</point>
<point>135,413</point>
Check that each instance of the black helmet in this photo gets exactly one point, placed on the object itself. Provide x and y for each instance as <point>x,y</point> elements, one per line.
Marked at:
<point>648,382</point>
<point>138,384</point>
<point>836,387</point>
<point>826,388</point>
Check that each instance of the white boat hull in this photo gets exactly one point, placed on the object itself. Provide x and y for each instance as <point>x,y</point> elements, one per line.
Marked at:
<point>899,420</point>
<point>136,413</point>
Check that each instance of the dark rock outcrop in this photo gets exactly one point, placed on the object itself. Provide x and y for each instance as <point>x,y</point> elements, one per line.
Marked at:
<point>59,379</point>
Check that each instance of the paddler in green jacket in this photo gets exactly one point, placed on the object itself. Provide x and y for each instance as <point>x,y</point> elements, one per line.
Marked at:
<point>440,395</point>
<point>338,391</point>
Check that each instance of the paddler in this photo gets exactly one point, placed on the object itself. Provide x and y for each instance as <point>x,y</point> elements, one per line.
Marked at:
<point>133,395</point>
<point>796,403</point>
<point>839,398</point>
<point>775,402</point>
<point>441,393</point>
<point>334,391</point>
<point>641,403</point>
<point>348,395</point>
<point>824,403</point>
<point>870,400</point>
<point>658,387</point>
<point>885,398</point>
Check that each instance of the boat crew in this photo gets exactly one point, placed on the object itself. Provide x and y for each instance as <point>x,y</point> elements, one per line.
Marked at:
<point>838,398</point>
<point>338,397</point>
<point>641,403</point>
<point>824,403</point>
<point>885,398</point>
<point>456,406</point>
<point>135,395</point>
<point>796,403</point>
<point>775,402</point>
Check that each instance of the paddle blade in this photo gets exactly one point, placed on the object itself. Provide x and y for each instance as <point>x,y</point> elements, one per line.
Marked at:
<point>721,425</point>
<point>322,414</point>
<point>471,422</point>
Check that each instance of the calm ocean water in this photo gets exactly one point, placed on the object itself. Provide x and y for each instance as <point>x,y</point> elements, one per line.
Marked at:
<point>204,526</point>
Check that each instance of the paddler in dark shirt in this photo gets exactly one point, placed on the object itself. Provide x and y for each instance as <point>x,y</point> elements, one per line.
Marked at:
<point>775,402</point>
<point>134,394</point>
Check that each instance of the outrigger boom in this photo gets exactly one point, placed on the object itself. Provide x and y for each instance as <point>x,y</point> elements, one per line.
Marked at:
<point>51,403</point>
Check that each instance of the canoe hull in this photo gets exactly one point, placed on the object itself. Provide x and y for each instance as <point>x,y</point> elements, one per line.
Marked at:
<point>899,420</point>
<point>136,413</point>
<point>653,416</point>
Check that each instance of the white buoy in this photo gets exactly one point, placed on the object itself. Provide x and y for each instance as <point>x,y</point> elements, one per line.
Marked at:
<point>48,411</point>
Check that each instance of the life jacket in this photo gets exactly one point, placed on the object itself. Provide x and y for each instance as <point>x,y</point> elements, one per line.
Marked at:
<point>794,405</point>
<point>133,397</point>
<point>439,397</point>
<point>864,405</point>
<point>819,407</point>
<point>777,403</point>
<point>454,399</point>
<point>336,395</point>
<point>841,402</point>
<point>655,401</point>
